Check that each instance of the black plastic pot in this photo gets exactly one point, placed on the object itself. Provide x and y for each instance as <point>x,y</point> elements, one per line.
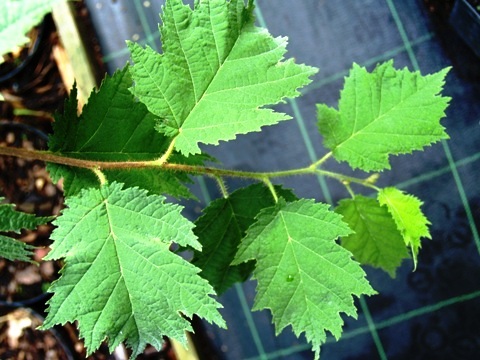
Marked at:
<point>21,339</point>
<point>10,70</point>
<point>465,19</point>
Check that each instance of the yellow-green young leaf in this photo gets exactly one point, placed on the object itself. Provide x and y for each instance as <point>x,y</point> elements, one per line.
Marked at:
<point>222,227</point>
<point>216,73</point>
<point>376,240</point>
<point>113,126</point>
<point>409,218</point>
<point>120,281</point>
<point>304,277</point>
<point>14,221</point>
<point>385,112</point>
<point>17,17</point>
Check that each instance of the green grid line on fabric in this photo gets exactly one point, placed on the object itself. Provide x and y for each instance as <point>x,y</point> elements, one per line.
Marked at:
<point>372,61</point>
<point>446,147</point>
<point>394,320</point>
<point>149,34</point>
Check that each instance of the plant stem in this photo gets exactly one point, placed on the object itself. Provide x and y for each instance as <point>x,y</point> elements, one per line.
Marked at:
<point>161,163</point>
<point>163,159</point>
<point>319,162</point>
<point>101,176</point>
<point>29,112</point>
<point>69,161</point>
<point>222,186</point>
<point>344,179</point>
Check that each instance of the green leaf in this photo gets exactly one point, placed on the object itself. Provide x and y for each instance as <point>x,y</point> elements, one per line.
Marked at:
<point>74,179</point>
<point>17,17</point>
<point>112,127</point>
<point>376,240</point>
<point>222,227</point>
<point>304,276</point>
<point>12,249</point>
<point>386,112</point>
<point>216,73</point>
<point>14,221</point>
<point>409,218</point>
<point>120,281</point>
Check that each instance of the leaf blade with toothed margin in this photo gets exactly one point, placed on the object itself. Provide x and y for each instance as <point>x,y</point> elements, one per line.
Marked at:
<point>304,277</point>
<point>120,280</point>
<point>382,113</point>
<point>376,241</point>
<point>216,93</point>
<point>408,216</point>
<point>112,110</point>
<point>221,228</point>
<point>14,221</point>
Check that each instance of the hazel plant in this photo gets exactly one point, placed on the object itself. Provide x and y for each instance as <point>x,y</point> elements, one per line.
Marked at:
<point>139,138</point>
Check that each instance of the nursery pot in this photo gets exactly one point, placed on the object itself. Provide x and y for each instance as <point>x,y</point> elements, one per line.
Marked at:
<point>16,64</point>
<point>465,19</point>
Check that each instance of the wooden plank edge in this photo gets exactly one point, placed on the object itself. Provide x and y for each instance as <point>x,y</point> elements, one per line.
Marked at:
<point>72,57</point>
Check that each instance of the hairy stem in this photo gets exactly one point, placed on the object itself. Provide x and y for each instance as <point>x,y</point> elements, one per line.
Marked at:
<point>101,176</point>
<point>163,159</point>
<point>320,161</point>
<point>346,180</point>
<point>69,161</point>
<point>271,188</point>
<point>161,163</point>
<point>222,186</point>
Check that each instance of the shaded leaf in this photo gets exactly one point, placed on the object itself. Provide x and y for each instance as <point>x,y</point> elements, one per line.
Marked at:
<point>376,240</point>
<point>112,127</point>
<point>222,227</point>
<point>14,221</point>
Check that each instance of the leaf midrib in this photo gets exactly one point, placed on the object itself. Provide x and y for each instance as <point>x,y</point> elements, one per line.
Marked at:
<point>221,64</point>
<point>379,118</point>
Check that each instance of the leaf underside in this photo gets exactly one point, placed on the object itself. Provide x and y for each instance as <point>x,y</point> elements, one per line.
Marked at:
<point>376,241</point>
<point>121,282</point>
<point>385,112</point>
<point>304,277</point>
<point>216,73</point>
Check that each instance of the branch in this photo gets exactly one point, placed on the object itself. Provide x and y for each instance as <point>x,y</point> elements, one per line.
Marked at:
<point>161,164</point>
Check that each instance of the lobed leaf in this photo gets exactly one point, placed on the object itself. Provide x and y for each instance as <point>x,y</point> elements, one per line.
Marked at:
<point>376,240</point>
<point>216,73</point>
<point>221,228</point>
<point>113,126</point>
<point>14,221</point>
<point>408,216</point>
<point>120,281</point>
<point>385,112</point>
<point>304,277</point>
